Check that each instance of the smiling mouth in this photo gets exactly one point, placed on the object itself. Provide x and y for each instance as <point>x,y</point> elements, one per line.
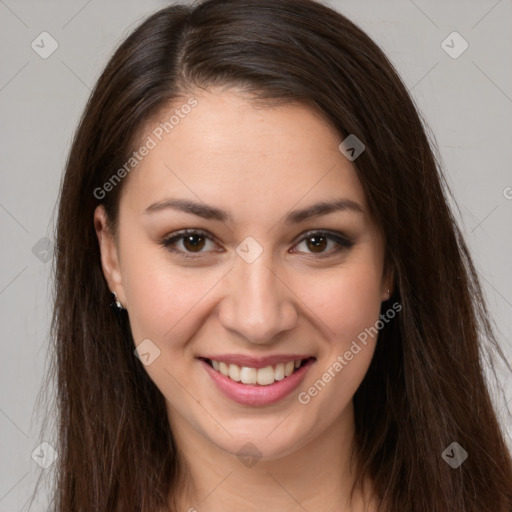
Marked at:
<point>257,376</point>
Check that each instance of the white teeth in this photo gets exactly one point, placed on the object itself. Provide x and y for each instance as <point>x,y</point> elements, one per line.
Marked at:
<point>266,376</point>
<point>234,372</point>
<point>279,372</point>
<point>262,376</point>
<point>248,375</point>
<point>223,368</point>
<point>288,368</point>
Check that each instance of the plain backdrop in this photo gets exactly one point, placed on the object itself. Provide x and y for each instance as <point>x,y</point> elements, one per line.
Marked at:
<point>466,100</point>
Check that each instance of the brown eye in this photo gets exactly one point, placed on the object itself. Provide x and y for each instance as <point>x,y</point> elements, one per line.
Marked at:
<point>193,243</point>
<point>317,243</point>
<point>190,243</point>
<point>323,243</point>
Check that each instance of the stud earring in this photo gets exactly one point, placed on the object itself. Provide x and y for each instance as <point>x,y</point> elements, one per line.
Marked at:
<point>117,302</point>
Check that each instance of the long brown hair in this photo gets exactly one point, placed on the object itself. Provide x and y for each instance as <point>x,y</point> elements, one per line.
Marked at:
<point>425,387</point>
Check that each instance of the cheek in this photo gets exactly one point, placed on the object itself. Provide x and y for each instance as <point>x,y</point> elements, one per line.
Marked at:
<point>163,299</point>
<point>349,306</point>
<point>347,301</point>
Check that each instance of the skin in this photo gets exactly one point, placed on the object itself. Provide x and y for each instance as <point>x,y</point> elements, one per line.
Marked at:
<point>258,164</point>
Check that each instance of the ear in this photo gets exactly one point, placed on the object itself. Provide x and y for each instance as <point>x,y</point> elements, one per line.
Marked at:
<point>388,281</point>
<point>109,250</point>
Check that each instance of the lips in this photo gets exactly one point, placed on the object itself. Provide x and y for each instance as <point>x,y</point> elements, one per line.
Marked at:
<point>266,381</point>
<point>262,376</point>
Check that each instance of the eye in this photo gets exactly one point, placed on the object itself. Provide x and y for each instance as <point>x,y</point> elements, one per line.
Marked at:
<point>189,242</point>
<point>324,243</point>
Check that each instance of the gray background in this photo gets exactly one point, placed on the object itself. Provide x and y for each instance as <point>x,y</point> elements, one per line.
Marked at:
<point>466,101</point>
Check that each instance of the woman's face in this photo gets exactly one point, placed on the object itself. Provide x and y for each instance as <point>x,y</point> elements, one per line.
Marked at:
<point>263,277</point>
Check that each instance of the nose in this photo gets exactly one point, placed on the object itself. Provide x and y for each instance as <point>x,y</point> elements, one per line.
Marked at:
<point>257,305</point>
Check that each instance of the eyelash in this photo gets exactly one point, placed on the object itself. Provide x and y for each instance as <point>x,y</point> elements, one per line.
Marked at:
<point>342,240</point>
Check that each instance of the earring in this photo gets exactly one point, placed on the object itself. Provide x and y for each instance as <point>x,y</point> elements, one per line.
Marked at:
<point>117,303</point>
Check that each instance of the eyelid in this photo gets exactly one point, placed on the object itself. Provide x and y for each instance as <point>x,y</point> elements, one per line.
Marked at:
<point>168,240</point>
<point>189,231</point>
<point>343,241</point>
<point>337,235</point>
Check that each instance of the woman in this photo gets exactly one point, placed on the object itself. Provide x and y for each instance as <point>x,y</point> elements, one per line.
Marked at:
<point>296,321</point>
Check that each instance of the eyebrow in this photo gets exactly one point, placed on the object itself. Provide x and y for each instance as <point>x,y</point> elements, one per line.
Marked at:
<point>211,212</point>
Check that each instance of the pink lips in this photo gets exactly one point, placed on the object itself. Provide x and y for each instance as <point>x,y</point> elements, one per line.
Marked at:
<point>255,395</point>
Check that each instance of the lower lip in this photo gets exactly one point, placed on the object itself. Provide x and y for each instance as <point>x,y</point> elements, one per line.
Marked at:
<point>247,394</point>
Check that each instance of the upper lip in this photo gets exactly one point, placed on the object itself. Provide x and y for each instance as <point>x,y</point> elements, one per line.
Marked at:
<point>256,362</point>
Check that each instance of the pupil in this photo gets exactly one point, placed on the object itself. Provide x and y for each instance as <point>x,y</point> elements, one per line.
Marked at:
<point>192,242</point>
<point>318,243</point>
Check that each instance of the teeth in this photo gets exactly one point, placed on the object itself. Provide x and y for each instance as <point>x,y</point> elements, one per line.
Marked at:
<point>288,368</point>
<point>265,376</point>
<point>224,369</point>
<point>279,372</point>
<point>262,376</point>
<point>248,375</point>
<point>234,372</point>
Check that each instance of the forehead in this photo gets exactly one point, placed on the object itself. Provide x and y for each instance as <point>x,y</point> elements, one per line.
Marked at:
<point>227,149</point>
